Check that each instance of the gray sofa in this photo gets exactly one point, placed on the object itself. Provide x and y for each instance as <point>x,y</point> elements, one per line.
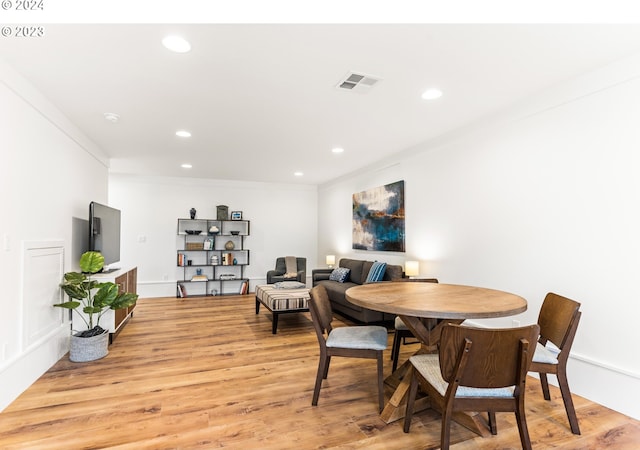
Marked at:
<point>359,269</point>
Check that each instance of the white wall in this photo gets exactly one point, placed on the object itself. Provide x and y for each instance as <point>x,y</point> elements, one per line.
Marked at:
<point>49,173</point>
<point>543,197</point>
<point>283,222</point>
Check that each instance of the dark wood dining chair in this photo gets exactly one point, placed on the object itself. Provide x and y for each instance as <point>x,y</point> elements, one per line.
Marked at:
<point>558,320</point>
<point>367,341</point>
<point>401,332</point>
<point>475,369</point>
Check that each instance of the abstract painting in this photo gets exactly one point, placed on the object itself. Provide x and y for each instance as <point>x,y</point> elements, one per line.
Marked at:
<point>378,218</point>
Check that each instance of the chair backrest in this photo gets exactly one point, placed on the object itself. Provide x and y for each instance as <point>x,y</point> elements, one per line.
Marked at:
<point>486,357</point>
<point>281,265</point>
<point>321,313</point>
<point>558,320</point>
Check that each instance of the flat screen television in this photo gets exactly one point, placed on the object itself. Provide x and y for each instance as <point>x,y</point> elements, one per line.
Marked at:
<point>104,233</point>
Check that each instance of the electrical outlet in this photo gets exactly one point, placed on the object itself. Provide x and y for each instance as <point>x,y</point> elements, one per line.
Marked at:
<point>515,323</point>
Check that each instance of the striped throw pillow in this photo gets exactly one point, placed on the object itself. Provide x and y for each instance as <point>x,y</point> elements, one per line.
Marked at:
<point>376,273</point>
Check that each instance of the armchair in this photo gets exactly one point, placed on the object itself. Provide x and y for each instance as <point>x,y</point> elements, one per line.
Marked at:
<point>278,274</point>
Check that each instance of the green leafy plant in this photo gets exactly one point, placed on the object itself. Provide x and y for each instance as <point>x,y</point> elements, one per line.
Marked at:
<point>94,297</point>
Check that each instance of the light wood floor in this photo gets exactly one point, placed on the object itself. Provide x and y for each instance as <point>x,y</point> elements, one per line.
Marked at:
<point>208,373</point>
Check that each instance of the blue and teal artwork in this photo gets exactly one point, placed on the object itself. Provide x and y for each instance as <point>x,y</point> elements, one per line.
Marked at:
<point>378,218</point>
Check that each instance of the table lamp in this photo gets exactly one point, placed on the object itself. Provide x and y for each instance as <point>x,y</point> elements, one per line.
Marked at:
<point>330,260</point>
<point>412,268</point>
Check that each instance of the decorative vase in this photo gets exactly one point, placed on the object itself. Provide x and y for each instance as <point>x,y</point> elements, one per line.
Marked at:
<point>83,349</point>
<point>229,245</point>
<point>192,213</point>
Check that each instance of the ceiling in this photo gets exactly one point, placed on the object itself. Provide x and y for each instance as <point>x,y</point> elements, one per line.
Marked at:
<point>261,100</point>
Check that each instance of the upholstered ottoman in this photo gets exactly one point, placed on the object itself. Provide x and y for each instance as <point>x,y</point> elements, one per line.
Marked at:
<point>282,298</point>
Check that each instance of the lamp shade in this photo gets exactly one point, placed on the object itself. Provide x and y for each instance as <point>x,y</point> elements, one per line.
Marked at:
<point>412,268</point>
<point>331,260</point>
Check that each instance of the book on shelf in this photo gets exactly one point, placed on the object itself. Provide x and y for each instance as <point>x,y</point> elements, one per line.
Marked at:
<point>208,244</point>
<point>199,278</point>
<point>244,287</point>
<point>182,259</point>
<point>182,291</point>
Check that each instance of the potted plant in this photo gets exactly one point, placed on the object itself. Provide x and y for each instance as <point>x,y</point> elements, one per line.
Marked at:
<point>93,298</point>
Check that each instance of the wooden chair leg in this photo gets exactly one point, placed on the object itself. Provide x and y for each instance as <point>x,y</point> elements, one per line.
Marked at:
<point>395,351</point>
<point>545,385</point>
<point>521,420</point>
<point>493,424</point>
<point>445,432</point>
<point>411,398</point>
<point>326,367</point>
<point>380,382</point>
<point>568,401</point>
<point>395,347</point>
<point>323,366</point>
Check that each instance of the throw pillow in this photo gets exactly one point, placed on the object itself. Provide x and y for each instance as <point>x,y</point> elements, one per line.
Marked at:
<point>339,274</point>
<point>376,273</point>
<point>289,285</point>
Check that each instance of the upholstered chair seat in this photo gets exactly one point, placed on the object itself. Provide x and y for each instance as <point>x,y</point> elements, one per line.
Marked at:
<point>358,337</point>
<point>429,368</point>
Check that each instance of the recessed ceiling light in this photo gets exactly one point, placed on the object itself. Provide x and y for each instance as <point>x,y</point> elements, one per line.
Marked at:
<point>186,166</point>
<point>337,150</point>
<point>111,117</point>
<point>183,133</point>
<point>176,44</point>
<point>298,174</point>
<point>432,94</point>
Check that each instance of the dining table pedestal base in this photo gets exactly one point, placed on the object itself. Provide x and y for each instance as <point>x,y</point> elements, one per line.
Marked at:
<point>396,407</point>
<point>428,332</point>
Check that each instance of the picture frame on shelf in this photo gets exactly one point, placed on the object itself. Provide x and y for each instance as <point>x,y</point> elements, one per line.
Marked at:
<point>222,212</point>
<point>236,215</point>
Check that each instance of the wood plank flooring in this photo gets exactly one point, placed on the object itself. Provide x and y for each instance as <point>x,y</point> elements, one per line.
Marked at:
<point>204,373</point>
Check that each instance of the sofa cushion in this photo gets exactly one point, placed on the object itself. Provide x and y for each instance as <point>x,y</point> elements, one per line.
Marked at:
<point>393,272</point>
<point>339,274</point>
<point>366,268</point>
<point>376,273</point>
<point>356,268</point>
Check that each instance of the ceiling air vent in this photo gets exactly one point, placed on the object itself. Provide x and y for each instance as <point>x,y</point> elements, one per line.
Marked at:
<point>357,82</point>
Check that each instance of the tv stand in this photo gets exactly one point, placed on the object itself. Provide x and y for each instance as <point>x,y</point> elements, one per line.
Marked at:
<point>114,320</point>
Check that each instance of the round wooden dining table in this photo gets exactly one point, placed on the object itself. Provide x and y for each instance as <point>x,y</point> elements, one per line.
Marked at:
<point>426,308</point>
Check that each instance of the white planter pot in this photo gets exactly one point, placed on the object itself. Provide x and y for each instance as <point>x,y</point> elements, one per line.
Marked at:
<point>84,349</point>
